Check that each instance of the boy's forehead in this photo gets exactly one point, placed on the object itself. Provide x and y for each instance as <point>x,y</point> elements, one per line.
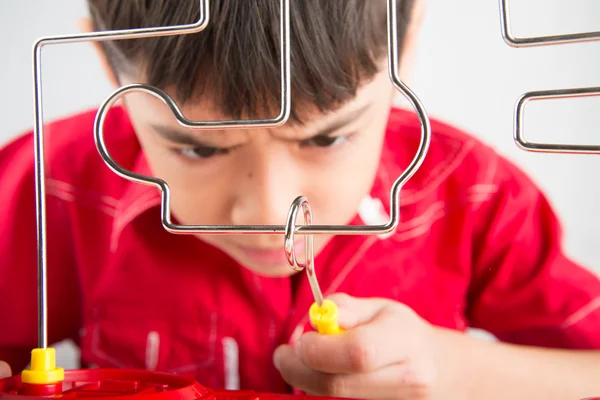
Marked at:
<point>205,109</point>
<point>310,119</point>
<point>313,123</point>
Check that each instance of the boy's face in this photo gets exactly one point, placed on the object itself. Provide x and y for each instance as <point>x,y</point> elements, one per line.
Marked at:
<point>251,177</point>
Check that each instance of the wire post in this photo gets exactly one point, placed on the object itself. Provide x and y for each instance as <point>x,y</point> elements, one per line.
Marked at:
<point>38,134</point>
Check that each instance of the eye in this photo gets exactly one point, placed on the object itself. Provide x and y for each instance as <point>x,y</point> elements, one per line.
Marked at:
<point>201,152</point>
<point>324,141</point>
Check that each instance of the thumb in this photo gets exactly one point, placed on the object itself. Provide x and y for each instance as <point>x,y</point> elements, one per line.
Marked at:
<point>5,371</point>
<point>355,311</point>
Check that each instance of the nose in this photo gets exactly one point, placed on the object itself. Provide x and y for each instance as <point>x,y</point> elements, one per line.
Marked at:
<point>267,188</point>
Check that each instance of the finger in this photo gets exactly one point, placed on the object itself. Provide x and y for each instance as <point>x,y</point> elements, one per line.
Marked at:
<point>354,311</point>
<point>296,373</point>
<point>392,382</point>
<point>362,349</point>
<point>5,371</point>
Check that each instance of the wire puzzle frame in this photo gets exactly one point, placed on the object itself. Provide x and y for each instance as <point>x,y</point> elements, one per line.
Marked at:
<point>307,229</point>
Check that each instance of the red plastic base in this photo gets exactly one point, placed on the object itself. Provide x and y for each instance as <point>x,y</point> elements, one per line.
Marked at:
<point>116,384</point>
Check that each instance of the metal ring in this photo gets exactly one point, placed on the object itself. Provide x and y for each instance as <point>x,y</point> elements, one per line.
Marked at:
<point>290,249</point>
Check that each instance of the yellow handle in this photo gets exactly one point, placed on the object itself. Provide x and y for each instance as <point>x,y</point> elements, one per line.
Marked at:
<point>324,318</point>
<point>43,369</point>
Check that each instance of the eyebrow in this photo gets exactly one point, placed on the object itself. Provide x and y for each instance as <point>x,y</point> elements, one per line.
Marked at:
<point>340,122</point>
<point>182,137</point>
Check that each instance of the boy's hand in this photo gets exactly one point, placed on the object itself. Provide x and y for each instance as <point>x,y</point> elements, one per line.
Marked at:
<point>386,353</point>
<point>4,370</point>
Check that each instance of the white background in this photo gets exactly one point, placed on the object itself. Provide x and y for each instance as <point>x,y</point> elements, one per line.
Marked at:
<point>464,73</point>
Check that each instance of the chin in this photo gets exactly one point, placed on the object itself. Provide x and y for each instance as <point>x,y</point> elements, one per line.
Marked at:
<point>267,265</point>
<point>276,271</point>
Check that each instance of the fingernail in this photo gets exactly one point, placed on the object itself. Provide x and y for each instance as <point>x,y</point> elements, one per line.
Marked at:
<point>297,349</point>
<point>4,370</point>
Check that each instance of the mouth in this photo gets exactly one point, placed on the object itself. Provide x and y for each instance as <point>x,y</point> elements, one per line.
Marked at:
<point>271,257</point>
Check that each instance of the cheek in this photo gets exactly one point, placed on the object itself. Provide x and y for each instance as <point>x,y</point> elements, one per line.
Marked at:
<point>197,198</point>
<point>339,188</point>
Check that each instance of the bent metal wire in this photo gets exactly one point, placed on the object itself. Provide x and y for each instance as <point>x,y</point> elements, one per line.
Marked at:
<point>519,114</point>
<point>281,119</point>
<point>307,229</point>
<point>38,132</point>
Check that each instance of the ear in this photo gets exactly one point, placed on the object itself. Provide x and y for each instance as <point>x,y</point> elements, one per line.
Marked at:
<point>411,39</point>
<point>85,25</point>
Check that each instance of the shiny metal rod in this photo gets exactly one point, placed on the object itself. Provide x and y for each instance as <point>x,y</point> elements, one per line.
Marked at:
<point>519,114</point>
<point>514,41</point>
<point>391,225</point>
<point>38,133</point>
<point>519,134</point>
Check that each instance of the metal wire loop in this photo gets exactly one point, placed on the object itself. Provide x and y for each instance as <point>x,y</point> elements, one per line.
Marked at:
<point>519,134</point>
<point>290,248</point>
<point>514,41</point>
<point>519,113</point>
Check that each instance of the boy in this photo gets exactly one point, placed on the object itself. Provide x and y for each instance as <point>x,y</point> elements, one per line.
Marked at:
<point>478,244</point>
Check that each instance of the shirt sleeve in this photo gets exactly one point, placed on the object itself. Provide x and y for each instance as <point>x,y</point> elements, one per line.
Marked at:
<point>525,290</point>
<point>18,263</point>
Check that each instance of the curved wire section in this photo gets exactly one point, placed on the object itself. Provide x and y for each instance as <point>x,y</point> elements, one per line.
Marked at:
<point>514,41</point>
<point>519,114</point>
<point>392,27</point>
<point>38,132</point>
<point>302,202</point>
<point>538,147</point>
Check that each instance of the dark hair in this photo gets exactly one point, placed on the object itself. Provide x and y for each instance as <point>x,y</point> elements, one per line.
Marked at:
<point>337,45</point>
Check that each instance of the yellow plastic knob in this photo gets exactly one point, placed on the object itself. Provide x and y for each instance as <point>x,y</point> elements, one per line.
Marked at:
<point>325,318</point>
<point>43,369</point>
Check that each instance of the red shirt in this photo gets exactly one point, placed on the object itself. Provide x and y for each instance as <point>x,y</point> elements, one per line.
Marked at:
<point>478,246</point>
